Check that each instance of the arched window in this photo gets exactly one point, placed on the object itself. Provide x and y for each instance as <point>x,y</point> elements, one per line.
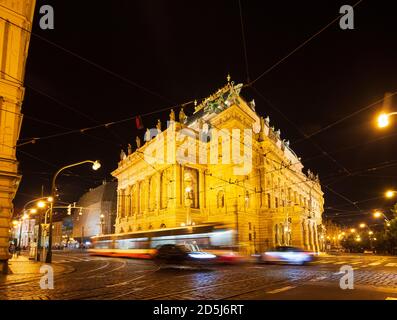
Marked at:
<point>190,183</point>
<point>163,226</point>
<point>220,199</point>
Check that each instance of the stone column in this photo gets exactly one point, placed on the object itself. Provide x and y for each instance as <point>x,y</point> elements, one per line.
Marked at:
<point>201,190</point>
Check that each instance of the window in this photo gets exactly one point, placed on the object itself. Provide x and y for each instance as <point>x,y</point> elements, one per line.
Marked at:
<point>276,202</point>
<point>269,201</point>
<point>249,225</point>
<point>191,190</point>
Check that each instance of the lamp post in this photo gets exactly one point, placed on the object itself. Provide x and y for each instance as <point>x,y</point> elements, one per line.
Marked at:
<point>95,166</point>
<point>378,214</point>
<point>41,203</point>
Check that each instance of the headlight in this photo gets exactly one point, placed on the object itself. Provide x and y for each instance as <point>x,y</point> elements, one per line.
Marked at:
<point>202,255</point>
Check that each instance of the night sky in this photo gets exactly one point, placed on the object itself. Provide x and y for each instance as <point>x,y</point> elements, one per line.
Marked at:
<point>182,50</point>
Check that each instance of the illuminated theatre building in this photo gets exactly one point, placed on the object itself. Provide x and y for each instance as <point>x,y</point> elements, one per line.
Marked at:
<point>205,168</point>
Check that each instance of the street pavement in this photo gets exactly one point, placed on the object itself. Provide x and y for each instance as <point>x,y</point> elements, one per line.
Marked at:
<point>77,275</point>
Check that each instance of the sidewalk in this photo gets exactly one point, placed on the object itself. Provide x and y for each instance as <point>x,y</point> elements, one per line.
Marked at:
<point>21,269</point>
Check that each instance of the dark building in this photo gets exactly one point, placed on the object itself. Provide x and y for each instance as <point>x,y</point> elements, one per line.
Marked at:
<point>98,214</point>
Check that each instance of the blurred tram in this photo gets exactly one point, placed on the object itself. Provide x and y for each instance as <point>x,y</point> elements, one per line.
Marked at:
<point>213,238</point>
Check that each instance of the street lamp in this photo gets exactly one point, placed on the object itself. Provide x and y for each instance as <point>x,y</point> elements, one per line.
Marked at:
<point>390,194</point>
<point>362,225</point>
<point>352,230</point>
<point>377,214</point>
<point>41,204</point>
<point>95,166</point>
<point>383,119</point>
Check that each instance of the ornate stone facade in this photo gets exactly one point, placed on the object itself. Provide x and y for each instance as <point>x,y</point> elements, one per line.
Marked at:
<point>272,203</point>
<point>14,44</point>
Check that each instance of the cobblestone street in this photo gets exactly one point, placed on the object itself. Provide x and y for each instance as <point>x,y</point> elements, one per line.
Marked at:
<point>80,276</point>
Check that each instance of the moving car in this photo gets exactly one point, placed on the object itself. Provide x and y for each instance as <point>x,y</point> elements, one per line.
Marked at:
<point>183,254</point>
<point>288,255</point>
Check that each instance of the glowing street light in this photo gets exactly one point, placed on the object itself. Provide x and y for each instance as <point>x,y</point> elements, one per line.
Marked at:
<point>33,211</point>
<point>378,214</point>
<point>370,233</point>
<point>362,225</point>
<point>41,204</point>
<point>383,119</point>
<point>390,194</point>
<point>96,165</point>
<point>352,230</point>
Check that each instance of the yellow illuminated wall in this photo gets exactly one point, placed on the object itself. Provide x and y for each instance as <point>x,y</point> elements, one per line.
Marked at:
<point>14,43</point>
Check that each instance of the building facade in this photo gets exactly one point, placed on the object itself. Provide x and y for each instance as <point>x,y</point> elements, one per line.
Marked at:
<point>98,214</point>
<point>223,164</point>
<point>15,16</point>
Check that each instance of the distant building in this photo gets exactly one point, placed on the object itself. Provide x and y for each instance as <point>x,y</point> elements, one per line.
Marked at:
<point>62,232</point>
<point>98,214</point>
<point>334,235</point>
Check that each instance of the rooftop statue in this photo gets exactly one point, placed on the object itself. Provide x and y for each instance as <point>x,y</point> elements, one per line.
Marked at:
<point>182,116</point>
<point>172,115</point>
<point>129,149</point>
<point>122,155</point>
<point>138,142</point>
<point>147,135</point>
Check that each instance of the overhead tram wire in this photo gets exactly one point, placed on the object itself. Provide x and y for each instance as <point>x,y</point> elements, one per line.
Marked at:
<point>344,118</point>
<point>51,123</point>
<point>98,66</point>
<point>300,46</point>
<point>244,41</point>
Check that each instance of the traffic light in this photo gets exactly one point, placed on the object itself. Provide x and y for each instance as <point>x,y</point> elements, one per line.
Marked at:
<point>69,209</point>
